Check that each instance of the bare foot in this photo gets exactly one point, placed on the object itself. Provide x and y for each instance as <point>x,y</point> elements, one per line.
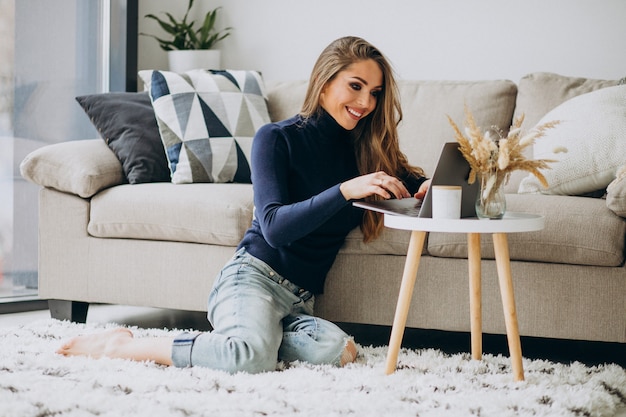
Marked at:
<point>349,353</point>
<point>97,345</point>
<point>120,344</point>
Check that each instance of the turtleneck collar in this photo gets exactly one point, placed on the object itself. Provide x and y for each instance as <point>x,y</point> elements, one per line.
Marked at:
<point>328,126</point>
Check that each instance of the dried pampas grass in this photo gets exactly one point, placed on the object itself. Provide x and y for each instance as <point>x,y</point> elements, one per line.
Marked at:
<point>488,153</point>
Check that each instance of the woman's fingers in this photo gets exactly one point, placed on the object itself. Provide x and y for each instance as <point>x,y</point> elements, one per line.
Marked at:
<point>378,183</point>
<point>421,193</point>
<point>390,185</point>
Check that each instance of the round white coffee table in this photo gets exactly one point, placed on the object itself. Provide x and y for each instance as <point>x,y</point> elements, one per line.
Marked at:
<point>511,223</point>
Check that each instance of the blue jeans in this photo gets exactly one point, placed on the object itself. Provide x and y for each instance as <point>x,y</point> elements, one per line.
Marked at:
<point>258,318</point>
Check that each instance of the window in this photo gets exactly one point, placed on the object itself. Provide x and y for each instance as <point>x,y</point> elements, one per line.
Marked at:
<point>50,52</point>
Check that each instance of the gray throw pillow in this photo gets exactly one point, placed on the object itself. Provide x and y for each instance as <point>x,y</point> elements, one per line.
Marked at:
<point>127,124</point>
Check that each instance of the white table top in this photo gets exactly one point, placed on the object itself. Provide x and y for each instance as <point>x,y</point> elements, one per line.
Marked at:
<point>510,223</point>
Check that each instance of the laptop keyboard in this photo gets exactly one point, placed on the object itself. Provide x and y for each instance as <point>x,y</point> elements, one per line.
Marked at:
<point>413,211</point>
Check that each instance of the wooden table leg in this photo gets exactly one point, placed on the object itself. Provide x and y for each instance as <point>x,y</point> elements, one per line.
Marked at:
<point>503,263</point>
<point>476,323</point>
<point>414,254</point>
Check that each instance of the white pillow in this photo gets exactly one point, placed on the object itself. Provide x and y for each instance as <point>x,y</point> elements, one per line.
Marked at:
<point>593,130</point>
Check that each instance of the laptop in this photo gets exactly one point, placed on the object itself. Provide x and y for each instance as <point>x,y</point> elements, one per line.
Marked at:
<point>452,169</point>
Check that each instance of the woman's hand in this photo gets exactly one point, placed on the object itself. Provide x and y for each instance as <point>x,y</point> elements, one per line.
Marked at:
<point>421,193</point>
<point>378,183</point>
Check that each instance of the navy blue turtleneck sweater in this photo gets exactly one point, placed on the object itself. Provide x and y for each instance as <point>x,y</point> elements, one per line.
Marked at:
<point>301,218</point>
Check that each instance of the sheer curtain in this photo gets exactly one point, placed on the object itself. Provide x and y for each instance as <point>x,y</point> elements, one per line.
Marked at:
<point>50,52</point>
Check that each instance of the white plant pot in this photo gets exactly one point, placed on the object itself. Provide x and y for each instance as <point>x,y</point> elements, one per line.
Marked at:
<point>181,61</point>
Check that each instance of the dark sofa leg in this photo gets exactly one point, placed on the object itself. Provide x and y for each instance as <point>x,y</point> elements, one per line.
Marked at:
<point>75,311</point>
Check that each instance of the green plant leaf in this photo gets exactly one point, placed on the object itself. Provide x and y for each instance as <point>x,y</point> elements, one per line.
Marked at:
<point>184,36</point>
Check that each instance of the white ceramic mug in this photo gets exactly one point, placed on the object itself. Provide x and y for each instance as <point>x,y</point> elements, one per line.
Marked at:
<point>446,201</point>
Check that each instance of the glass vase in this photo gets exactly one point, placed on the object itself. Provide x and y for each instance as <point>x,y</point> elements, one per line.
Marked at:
<point>490,201</point>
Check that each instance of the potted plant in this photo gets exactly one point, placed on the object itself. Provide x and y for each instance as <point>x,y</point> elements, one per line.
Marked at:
<point>190,47</point>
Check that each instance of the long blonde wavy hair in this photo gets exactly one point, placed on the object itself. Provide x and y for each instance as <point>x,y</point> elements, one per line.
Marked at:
<point>376,136</point>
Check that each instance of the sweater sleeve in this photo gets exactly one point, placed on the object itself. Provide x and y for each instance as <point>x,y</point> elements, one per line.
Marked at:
<point>282,220</point>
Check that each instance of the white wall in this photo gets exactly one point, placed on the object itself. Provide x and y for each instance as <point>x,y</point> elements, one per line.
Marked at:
<point>424,39</point>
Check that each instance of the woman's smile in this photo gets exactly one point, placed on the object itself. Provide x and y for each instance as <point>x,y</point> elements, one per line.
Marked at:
<point>357,114</point>
<point>353,93</point>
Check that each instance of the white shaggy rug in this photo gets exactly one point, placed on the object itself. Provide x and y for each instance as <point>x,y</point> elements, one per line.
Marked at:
<point>36,382</point>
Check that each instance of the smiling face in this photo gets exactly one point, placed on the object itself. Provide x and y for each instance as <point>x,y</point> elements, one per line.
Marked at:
<point>353,93</point>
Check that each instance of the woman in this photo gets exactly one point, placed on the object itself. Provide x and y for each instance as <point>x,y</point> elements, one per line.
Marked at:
<point>306,171</point>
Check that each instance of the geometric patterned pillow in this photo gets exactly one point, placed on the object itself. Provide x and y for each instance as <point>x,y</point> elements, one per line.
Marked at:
<point>207,120</point>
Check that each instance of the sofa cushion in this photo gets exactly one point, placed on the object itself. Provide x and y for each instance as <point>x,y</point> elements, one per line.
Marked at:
<point>216,214</point>
<point>425,104</point>
<point>540,92</point>
<point>285,98</point>
<point>593,130</point>
<point>207,120</point>
<point>578,230</point>
<point>81,167</point>
<point>616,193</point>
<point>127,124</point>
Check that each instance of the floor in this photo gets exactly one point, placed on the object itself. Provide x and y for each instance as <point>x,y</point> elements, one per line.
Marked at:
<point>565,351</point>
<point>145,317</point>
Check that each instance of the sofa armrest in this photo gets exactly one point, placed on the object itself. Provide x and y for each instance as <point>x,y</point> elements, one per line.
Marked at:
<point>81,167</point>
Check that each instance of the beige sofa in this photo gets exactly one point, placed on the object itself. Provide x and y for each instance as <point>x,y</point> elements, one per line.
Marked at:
<point>161,244</point>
